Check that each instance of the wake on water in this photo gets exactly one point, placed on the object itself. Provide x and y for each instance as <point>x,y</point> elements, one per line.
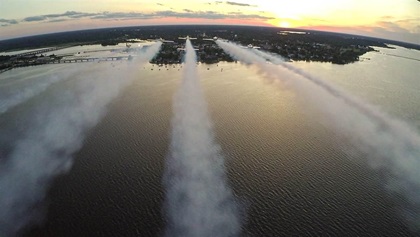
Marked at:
<point>198,200</point>
<point>389,144</point>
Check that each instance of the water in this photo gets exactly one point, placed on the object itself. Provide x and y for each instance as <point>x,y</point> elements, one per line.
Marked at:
<point>389,82</point>
<point>288,170</point>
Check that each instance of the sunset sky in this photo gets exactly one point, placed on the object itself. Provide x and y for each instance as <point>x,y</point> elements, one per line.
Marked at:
<point>392,19</point>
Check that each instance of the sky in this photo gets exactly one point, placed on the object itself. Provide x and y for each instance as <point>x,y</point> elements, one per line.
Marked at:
<point>390,19</point>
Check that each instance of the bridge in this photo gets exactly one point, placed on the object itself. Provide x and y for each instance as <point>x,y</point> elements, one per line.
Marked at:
<point>82,60</point>
<point>40,51</point>
<point>74,60</point>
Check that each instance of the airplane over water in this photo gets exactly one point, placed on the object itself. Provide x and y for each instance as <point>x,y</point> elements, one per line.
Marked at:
<point>187,38</point>
<point>162,40</point>
<point>183,49</point>
<point>215,39</point>
<point>212,39</point>
<point>250,46</point>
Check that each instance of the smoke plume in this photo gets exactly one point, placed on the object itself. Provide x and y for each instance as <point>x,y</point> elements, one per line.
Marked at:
<point>198,199</point>
<point>53,133</point>
<point>391,146</point>
<point>12,95</point>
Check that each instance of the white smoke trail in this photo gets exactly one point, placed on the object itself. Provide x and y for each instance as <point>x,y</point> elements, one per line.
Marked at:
<point>10,97</point>
<point>55,131</point>
<point>390,145</point>
<point>198,199</point>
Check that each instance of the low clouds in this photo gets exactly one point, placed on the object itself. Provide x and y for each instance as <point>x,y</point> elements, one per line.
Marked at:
<point>240,4</point>
<point>5,22</point>
<point>210,15</point>
<point>186,14</point>
<point>391,26</point>
<point>121,15</point>
<point>58,20</point>
<point>63,16</point>
<point>391,30</point>
<point>35,18</point>
<point>417,29</point>
<point>404,29</point>
<point>381,29</point>
<point>234,4</point>
<point>68,15</point>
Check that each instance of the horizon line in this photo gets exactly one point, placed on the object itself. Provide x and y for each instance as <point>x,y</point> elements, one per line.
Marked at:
<point>205,24</point>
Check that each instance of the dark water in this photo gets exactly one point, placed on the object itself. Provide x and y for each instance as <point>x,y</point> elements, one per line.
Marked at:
<point>288,171</point>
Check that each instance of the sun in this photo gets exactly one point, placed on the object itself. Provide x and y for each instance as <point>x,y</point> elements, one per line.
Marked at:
<point>284,24</point>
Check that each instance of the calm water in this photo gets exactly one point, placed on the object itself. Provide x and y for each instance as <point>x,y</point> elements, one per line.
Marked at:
<point>289,172</point>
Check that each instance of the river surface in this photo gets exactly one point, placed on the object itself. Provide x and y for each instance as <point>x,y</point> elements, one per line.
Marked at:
<point>290,173</point>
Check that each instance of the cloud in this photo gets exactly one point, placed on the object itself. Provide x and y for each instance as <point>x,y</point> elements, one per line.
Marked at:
<point>58,20</point>
<point>139,15</point>
<point>232,3</point>
<point>80,15</point>
<point>240,4</point>
<point>209,15</point>
<point>8,21</point>
<point>391,26</point>
<point>121,16</point>
<point>382,29</point>
<point>389,30</point>
<point>316,20</point>
<point>387,17</point>
<point>5,22</point>
<point>68,14</point>
<point>236,15</point>
<point>409,20</point>
<point>416,30</point>
<point>35,18</point>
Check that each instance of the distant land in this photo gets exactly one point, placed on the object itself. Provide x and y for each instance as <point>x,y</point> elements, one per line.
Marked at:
<point>292,44</point>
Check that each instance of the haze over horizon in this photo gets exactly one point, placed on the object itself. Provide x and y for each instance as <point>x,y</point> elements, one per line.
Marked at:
<point>384,19</point>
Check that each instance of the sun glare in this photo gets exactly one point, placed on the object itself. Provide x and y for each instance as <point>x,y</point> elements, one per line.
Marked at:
<point>284,24</point>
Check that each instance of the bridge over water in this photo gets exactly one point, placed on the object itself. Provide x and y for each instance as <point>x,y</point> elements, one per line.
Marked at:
<point>82,60</point>
<point>72,60</point>
<point>35,52</point>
